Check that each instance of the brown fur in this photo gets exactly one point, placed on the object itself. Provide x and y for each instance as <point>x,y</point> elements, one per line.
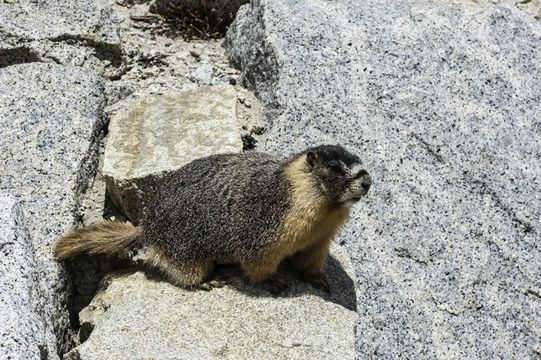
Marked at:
<point>186,275</point>
<point>107,238</point>
<point>117,238</point>
<point>308,218</point>
<point>306,231</point>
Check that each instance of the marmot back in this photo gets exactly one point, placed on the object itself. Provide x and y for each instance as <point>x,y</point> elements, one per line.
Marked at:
<point>253,209</point>
<point>224,206</point>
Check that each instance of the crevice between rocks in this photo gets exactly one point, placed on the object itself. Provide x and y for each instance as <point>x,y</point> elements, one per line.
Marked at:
<point>21,55</point>
<point>441,306</point>
<point>85,331</point>
<point>43,352</point>
<point>482,188</point>
<point>405,253</point>
<point>84,273</point>
<point>429,148</point>
<point>84,180</point>
<point>533,293</point>
<point>89,164</point>
<point>5,244</point>
<point>111,53</point>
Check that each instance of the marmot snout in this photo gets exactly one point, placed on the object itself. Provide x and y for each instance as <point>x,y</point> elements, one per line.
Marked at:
<point>340,174</point>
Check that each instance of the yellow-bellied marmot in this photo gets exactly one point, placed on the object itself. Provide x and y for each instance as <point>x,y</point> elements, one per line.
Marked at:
<point>251,208</point>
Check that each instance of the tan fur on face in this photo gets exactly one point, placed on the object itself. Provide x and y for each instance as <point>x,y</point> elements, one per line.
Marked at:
<point>306,230</point>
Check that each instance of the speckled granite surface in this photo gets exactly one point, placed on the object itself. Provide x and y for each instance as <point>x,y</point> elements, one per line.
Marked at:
<point>70,32</point>
<point>24,333</point>
<point>445,107</point>
<point>51,118</point>
<point>139,315</point>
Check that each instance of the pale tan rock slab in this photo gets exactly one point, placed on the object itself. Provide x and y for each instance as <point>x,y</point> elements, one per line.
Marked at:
<point>160,134</point>
<point>138,315</point>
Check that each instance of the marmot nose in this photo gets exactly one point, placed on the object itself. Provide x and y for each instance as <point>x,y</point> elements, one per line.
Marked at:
<point>365,179</point>
<point>366,185</point>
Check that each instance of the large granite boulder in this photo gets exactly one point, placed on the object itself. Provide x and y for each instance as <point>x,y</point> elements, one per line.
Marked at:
<point>530,7</point>
<point>69,32</point>
<point>138,315</point>
<point>160,134</point>
<point>444,106</point>
<point>24,333</point>
<point>51,118</point>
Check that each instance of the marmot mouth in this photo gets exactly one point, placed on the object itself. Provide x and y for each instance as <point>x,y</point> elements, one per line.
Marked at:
<point>355,198</point>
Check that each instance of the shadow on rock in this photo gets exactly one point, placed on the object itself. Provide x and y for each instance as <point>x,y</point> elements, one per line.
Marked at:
<point>341,285</point>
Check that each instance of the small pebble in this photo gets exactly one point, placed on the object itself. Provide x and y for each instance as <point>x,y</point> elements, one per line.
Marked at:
<point>195,53</point>
<point>258,130</point>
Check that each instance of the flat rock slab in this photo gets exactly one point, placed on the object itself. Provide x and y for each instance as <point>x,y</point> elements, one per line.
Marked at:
<point>443,105</point>
<point>23,330</point>
<point>160,134</point>
<point>51,118</point>
<point>69,32</point>
<point>138,316</point>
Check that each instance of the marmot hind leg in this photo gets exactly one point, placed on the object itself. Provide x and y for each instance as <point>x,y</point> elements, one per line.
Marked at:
<point>196,273</point>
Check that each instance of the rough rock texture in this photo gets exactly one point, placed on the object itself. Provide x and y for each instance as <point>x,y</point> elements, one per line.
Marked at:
<point>138,315</point>
<point>221,9</point>
<point>156,64</point>
<point>530,7</point>
<point>444,107</point>
<point>160,134</point>
<point>69,32</point>
<point>24,333</point>
<point>50,120</point>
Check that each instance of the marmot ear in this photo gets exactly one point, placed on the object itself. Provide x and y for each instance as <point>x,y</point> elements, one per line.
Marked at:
<point>312,158</point>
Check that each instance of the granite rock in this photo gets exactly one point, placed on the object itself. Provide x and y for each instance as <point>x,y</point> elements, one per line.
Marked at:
<point>118,90</point>
<point>160,134</point>
<point>530,7</point>
<point>443,105</point>
<point>138,315</point>
<point>24,333</point>
<point>51,118</point>
<point>69,32</point>
<point>203,74</point>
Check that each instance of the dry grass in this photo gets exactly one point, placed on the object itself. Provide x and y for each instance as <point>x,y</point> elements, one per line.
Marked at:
<point>201,23</point>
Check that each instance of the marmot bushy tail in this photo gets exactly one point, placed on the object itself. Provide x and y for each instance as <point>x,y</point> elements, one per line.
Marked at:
<point>251,209</point>
<point>107,238</point>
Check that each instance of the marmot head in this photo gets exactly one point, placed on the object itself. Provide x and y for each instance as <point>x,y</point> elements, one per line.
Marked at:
<point>338,174</point>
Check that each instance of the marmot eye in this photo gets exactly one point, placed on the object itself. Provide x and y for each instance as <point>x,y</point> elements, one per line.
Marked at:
<point>337,169</point>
